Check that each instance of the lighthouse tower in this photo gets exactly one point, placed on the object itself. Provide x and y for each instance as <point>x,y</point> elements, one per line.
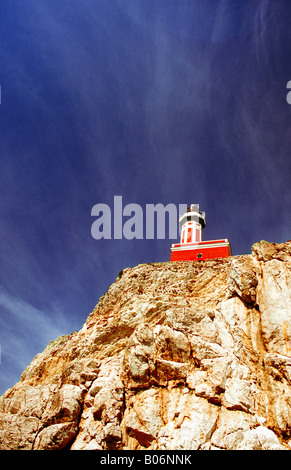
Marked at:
<point>191,246</point>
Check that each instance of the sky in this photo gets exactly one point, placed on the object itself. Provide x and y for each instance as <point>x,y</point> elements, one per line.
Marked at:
<point>157,101</point>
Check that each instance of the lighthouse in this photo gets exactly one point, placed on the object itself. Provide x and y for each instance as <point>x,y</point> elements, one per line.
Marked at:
<point>191,246</point>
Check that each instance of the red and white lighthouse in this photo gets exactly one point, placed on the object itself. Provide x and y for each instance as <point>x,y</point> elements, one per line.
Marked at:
<point>191,246</point>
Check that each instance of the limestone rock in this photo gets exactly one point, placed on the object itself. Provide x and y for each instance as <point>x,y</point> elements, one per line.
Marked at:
<point>243,278</point>
<point>181,355</point>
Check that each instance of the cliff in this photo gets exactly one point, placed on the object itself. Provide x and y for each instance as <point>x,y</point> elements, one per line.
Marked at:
<point>183,355</point>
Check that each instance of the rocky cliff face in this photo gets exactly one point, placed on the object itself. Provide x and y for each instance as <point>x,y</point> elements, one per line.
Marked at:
<point>183,355</point>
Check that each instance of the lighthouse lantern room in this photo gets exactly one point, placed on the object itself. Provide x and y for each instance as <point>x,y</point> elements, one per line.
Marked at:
<point>191,246</point>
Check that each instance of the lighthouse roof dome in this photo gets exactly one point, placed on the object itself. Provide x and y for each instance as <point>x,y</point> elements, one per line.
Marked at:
<point>193,214</point>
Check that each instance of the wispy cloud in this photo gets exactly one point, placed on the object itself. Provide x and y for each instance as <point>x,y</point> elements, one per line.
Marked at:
<point>24,332</point>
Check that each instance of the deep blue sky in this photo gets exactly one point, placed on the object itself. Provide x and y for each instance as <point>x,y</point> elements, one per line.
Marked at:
<point>170,101</point>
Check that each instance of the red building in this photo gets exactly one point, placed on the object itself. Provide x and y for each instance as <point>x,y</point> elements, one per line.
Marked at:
<point>191,246</point>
